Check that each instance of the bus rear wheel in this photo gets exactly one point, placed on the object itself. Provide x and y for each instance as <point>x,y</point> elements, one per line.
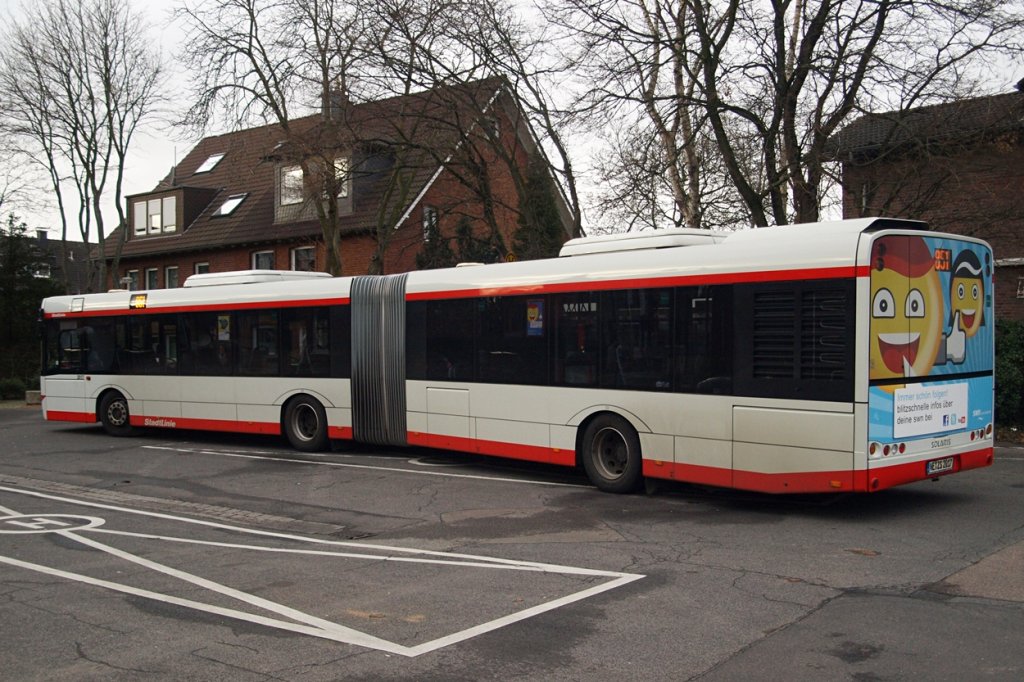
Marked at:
<point>114,414</point>
<point>611,454</point>
<point>305,424</point>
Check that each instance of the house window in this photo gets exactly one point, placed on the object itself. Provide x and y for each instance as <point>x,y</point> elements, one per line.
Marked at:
<point>131,280</point>
<point>210,163</point>
<point>291,185</point>
<point>341,175</point>
<point>171,277</point>
<point>229,205</point>
<point>152,277</point>
<point>304,258</point>
<point>153,216</point>
<point>170,215</point>
<point>429,222</point>
<point>201,268</point>
<point>156,217</point>
<point>493,127</point>
<point>263,260</point>
<point>140,217</point>
<point>1020,287</point>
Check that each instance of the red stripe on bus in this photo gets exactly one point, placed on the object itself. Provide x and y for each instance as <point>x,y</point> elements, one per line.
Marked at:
<point>870,480</point>
<point>339,432</point>
<point>688,473</point>
<point>530,453</point>
<point>880,478</point>
<point>228,425</point>
<point>648,282</point>
<point>206,307</point>
<point>62,416</point>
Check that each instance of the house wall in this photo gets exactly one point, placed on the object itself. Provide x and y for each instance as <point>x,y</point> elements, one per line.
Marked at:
<point>978,192</point>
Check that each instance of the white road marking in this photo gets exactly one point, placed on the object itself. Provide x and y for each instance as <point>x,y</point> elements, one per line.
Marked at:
<point>305,623</point>
<point>371,467</point>
<point>198,606</point>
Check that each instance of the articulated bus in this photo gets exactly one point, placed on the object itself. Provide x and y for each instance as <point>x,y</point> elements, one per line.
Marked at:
<point>846,356</point>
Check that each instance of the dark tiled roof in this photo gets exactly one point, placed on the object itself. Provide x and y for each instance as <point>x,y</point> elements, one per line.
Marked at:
<point>424,125</point>
<point>955,122</point>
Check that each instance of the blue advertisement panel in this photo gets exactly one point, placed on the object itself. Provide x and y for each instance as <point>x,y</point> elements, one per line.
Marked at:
<point>931,339</point>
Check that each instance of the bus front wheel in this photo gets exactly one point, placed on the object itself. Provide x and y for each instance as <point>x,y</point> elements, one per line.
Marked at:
<point>611,454</point>
<point>305,424</point>
<point>114,414</point>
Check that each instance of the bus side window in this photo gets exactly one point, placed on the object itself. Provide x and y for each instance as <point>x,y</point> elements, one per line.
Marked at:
<point>69,350</point>
<point>449,340</point>
<point>577,339</point>
<point>704,340</point>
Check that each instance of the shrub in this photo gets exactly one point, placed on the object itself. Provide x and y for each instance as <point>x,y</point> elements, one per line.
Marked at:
<point>1009,372</point>
<point>12,389</point>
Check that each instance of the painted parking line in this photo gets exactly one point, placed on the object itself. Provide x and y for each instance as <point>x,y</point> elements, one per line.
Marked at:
<point>425,471</point>
<point>87,531</point>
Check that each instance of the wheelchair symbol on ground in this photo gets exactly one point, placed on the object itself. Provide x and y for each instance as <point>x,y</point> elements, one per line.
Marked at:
<point>369,595</point>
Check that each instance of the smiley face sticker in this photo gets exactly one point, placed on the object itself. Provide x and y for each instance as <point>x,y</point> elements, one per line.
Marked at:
<point>967,294</point>
<point>906,308</point>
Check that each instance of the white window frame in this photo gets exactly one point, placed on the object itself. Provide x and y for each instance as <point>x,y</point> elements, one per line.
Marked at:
<point>295,252</point>
<point>140,216</point>
<point>133,280</point>
<point>167,277</point>
<point>341,173</point>
<point>255,257</point>
<point>1020,287</point>
<point>211,162</point>
<point>291,194</point>
<point>230,205</point>
<point>201,267</point>
<point>152,278</point>
<point>169,209</point>
<point>154,216</point>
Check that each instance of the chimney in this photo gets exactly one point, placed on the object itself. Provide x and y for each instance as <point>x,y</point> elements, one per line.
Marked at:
<point>336,103</point>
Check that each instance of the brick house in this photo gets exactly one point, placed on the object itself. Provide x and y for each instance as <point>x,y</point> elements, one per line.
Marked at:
<point>959,166</point>
<point>242,201</point>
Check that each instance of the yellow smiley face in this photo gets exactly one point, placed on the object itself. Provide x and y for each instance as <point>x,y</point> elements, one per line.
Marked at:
<point>966,295</point>
<point>906,323</point>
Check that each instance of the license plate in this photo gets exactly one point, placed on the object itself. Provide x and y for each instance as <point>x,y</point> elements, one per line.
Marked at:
<point>939,466</point>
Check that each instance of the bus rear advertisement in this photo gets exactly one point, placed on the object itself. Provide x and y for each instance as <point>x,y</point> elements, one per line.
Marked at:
<point>846,356</point>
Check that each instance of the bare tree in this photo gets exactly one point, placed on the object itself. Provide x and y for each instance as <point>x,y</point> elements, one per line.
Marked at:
<point>792,73</point>
<point>638,59</point>
<point>735,99</point>
<point>452,46</point>
<point>77,79</point>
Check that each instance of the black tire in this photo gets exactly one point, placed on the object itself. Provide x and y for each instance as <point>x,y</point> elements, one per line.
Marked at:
<point>610,451</point>
<point>305,424</point>
<point>114,414</point>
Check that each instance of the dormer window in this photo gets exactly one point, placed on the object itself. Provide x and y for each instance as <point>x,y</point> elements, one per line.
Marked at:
<point>229,205</point>
<point>211,162</point>
<point>291,185</point>
<point>153,216</point>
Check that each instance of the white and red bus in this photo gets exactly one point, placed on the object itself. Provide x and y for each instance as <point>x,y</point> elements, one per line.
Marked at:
<point>838,356</point>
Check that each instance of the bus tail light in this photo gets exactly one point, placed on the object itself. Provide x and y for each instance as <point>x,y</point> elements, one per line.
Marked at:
<point>903,448</point>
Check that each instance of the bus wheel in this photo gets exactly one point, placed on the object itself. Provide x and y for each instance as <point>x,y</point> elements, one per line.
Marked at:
<point>114,414</point>
<point>611,454</point>
<point>305,424</point>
